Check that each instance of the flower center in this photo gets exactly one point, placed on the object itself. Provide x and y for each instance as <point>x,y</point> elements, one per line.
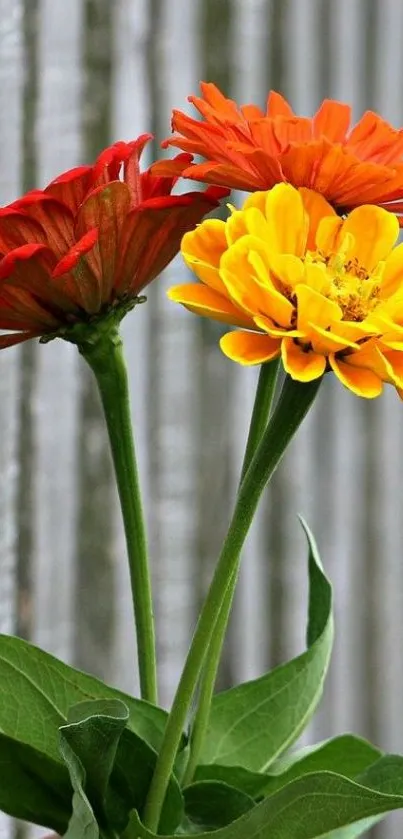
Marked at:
<point>349,284</point>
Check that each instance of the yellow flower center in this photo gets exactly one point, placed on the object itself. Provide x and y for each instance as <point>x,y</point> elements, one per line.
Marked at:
<point>350,285</point>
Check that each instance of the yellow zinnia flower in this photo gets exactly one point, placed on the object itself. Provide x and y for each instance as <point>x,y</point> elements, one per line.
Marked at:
<point>324,292</point>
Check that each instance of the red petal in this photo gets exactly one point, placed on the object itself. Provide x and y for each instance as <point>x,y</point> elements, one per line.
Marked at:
<point>152,184</point>
<point>108,164</point>
<point>152,234</point>
<point>17,338</point>
<point>29,268</point>
<point>17,228</point>
<point>71,187</point>
<point>106,209</point>
<point>77,273</point>
<point>55,218</point>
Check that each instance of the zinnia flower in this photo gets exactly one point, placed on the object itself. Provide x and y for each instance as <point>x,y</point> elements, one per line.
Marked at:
<point>324,292</point>
<point>90,242</point>
<point>248,149</point>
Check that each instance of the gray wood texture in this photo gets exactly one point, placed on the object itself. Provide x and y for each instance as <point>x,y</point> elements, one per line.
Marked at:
<point>73,77</point>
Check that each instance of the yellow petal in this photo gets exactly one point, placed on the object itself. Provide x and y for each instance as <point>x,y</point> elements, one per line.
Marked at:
<point>288,222</point>
<point>206,302</point>
<point>392,279</point>
<point>256,199</point>
<point>314,308</point>
<point>249,347</point>
<point>395,361</point>
<point>248,282</point>
<point>360,381</point>
<point>287,268</point>
<point>326,342</point>
<point>327,234</point>
<point>374,233</point>
<point>242,222</point>
<point>267,325</point>
<point>317,208</point>
<point>202,249</point>
<point>317,277</point>
<point>305,366</point>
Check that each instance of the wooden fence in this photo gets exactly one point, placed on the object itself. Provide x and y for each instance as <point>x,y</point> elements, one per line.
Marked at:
<point>74,76</point>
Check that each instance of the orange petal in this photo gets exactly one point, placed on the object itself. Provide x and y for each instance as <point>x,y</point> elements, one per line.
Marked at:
<point>302,365</point>
<point>359,380</point>
<point>208,303</point>
<point>267,325</point>
<point>332,120</point>
<point>249,347</point>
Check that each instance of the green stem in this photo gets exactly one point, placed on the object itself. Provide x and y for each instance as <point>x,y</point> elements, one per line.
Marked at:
<point>261,411</point>
<point>105,357</point>
<point>293,404</point>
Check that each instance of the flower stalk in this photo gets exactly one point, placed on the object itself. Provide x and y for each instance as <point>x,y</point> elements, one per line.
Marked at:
<point>265,390</point>
<point>104,354</point>
<point>294,402</point>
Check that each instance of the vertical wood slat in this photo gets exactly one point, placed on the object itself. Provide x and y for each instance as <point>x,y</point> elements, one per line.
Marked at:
<point>59,148</point>
<point>131,116</point>
<point>249,625</point>
<point>173,489</point>
<point>11,109</point>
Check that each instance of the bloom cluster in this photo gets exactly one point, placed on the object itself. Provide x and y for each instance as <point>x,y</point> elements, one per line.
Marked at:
<point>307,270</point>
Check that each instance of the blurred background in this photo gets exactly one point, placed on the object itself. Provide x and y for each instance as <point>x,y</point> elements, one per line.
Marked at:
<point>75,76</point>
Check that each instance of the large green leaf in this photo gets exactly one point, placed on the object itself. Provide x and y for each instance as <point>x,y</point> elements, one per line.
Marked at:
<point>83,823</point>
<point>252,724</point>
<point>111,768</point>
<point>346,755</point>
<point>310,808</point>
<point>251,783</point>
<point>92,734</point>
<point>210,805</point>
<point>33,787</point>
<point>37,691</point>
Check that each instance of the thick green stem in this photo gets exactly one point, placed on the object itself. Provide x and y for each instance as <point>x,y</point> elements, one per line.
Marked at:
<point>293,404</point>
<point>105,357</point>
<point>260,415</point>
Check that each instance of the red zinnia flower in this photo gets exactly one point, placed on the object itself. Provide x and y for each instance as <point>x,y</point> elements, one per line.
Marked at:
<point>89,242</point>
<point>246,148</point>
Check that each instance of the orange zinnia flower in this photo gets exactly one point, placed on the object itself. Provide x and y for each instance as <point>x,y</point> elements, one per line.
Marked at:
<point>324,292</point>
<point>248,149</point>
<point>90,242</point>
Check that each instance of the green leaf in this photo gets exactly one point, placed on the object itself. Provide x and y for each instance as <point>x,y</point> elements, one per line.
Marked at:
<point>250,725</point>
<point>92,734</point>
<point>251,783</point>
<point>117,765</point>
<point>37,690</point>
<point>346,755</point>
<point>130,782</point>
<point>210,805</point>
<point>33,787</point>
<point>308,808</point>
<point>82,824</point>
